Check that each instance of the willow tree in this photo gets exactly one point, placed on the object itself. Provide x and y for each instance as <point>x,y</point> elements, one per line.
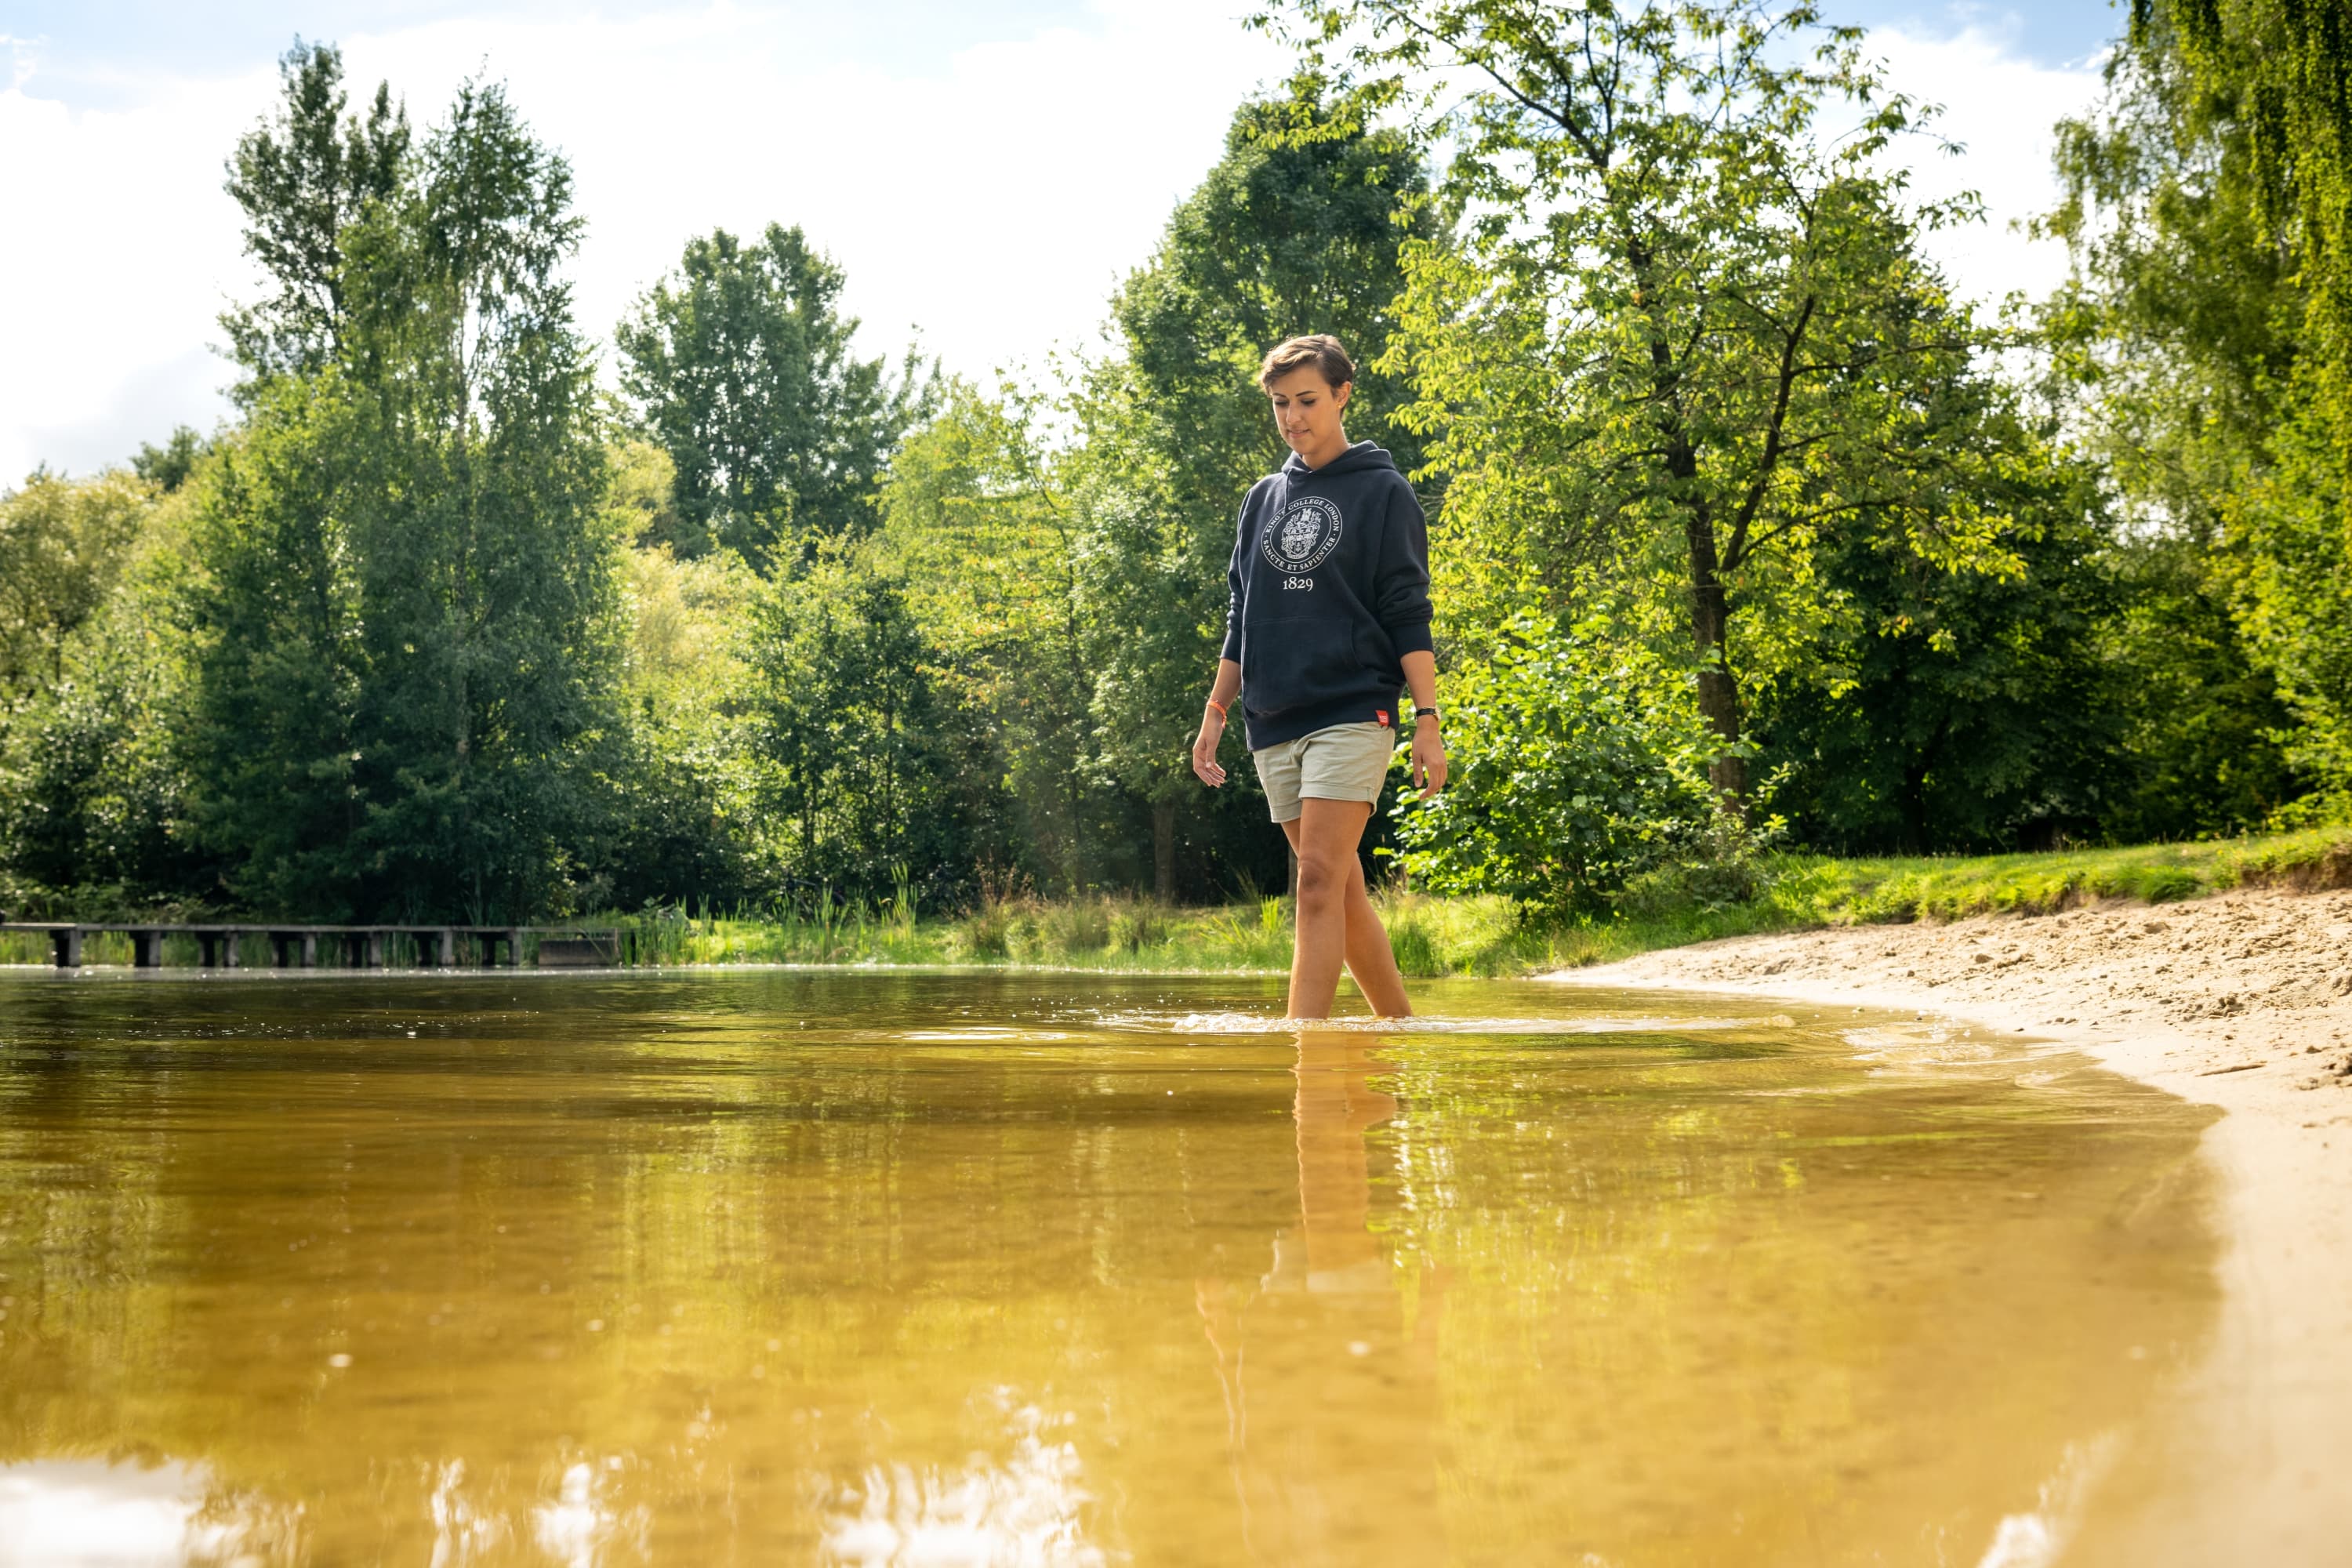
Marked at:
<point>2267,105</point>
<point>1683,332</point>
<point>2181,337</point>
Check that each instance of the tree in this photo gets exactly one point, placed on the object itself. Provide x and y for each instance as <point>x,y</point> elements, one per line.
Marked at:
<point>1952,711</point>
<point>1683,335</point>
<point>1295,230</point>
<point>273,614</point>
<point>1577,766</point>
<point>741,363</point>
<point>867,769</point>
<point>63,545</point>
<point>168,465</point>
<point>981,530</point>
<point>93,785</point>
<point>407,623</point>
<point>303,177</point>
<point>2191,335</point>
<point>487,571</point>
<point>2279,72</point>
<point>691,833</point>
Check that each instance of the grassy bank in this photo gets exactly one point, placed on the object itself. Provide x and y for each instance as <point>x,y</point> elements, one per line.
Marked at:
<point>1490,936</point>
<point>1433,936</point>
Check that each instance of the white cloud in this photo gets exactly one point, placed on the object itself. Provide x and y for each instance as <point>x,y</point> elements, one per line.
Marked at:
<point>2002,108</point>
<point>120,248</point>
<point>993,202</point>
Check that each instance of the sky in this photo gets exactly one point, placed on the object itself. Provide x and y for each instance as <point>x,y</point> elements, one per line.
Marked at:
<point>984,171</point>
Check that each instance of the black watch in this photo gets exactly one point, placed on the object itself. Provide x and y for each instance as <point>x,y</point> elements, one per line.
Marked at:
<point>1425,713</point>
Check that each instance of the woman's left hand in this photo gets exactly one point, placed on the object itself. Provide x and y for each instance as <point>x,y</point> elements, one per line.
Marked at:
<point>1428,758</point>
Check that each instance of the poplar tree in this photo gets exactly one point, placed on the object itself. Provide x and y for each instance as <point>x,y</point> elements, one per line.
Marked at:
<point>404,617</point>
<point>303,177</point>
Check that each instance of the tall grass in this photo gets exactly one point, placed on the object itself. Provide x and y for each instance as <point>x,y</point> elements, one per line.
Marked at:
<point>1494,936</point>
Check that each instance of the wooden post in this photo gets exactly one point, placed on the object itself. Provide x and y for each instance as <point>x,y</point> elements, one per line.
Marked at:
<point>67,940</point>
<point>310,950</point>
<point>147,950</point>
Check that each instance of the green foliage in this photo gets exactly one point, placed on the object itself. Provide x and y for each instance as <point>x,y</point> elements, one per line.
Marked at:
<point>63,545</point>
<point>691,830</point>
<point>1575,765</point>
<point>303,178</point>
<point>867,770</point>
<point>1719,476</point>
<point>982,529</point>
<point>2206,324</point>
<point>1963,711</point>
<point>406,632</point>
<point>1717,349</point>
<point>2294,528</point>
<point>273,617</point>
<point>2178,334</point>
<point>741,363</point>
<point>93,792</point>
<point>168,465</point>
<point>2203,748</point>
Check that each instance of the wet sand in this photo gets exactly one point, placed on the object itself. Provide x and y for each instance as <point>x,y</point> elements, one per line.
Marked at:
<point>2241,1002</point>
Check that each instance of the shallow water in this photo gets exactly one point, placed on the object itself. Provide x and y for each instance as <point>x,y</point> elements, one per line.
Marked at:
<point>785,1267</point>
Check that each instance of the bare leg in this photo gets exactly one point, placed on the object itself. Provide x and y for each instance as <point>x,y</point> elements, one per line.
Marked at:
<point>1337,921</point>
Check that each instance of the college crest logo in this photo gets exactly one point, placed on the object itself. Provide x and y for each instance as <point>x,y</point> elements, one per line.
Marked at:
<point>1303,536</point>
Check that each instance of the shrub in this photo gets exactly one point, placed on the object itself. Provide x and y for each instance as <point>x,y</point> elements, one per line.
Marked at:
<point>1574,767</point>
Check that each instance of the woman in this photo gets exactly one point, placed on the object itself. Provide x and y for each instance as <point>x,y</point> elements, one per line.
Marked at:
<point>1329,616</point>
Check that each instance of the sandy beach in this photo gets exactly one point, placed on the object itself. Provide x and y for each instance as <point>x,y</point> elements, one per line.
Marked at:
<point>2242,1002</point>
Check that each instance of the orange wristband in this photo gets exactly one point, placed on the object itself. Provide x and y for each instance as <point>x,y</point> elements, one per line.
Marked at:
<point>1220,707</point>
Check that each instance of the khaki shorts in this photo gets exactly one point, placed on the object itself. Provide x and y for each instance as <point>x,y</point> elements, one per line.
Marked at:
<point>1346,762</point>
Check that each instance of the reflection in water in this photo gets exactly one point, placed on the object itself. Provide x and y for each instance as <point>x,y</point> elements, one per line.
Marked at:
<point>1330,1311</point>
<point>106,1513</point>
<point>783,1268</point>
<point>462,1531</point>
<point>1028,1510</point>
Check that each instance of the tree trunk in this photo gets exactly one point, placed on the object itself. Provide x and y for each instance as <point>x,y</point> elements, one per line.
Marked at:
<point>1163,850</point>
<point>1718,690</point>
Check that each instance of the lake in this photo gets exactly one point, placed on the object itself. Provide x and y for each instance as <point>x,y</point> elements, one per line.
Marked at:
<point>762,1267</point>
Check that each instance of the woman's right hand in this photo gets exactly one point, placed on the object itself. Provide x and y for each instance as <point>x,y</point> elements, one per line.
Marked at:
<point>1204,748</point>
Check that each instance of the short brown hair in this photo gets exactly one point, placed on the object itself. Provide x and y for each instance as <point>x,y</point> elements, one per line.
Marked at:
<point>1320,350</point>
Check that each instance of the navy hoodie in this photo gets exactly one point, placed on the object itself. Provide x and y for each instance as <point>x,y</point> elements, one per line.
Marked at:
<point>1330,588</point>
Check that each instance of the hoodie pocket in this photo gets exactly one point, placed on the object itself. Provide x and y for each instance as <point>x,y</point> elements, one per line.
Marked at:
<point>1295,663</point>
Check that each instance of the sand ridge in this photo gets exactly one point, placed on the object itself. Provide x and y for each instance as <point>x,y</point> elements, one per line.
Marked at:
<point>2243,1001</point>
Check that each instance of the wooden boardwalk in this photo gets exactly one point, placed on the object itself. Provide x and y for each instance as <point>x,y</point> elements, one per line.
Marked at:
<point>350,947</point>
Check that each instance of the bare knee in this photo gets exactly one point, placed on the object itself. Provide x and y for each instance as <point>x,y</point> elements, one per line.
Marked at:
<point>1322,881</point>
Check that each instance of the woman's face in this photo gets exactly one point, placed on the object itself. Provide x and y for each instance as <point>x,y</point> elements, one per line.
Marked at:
<point>1307,411</point>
